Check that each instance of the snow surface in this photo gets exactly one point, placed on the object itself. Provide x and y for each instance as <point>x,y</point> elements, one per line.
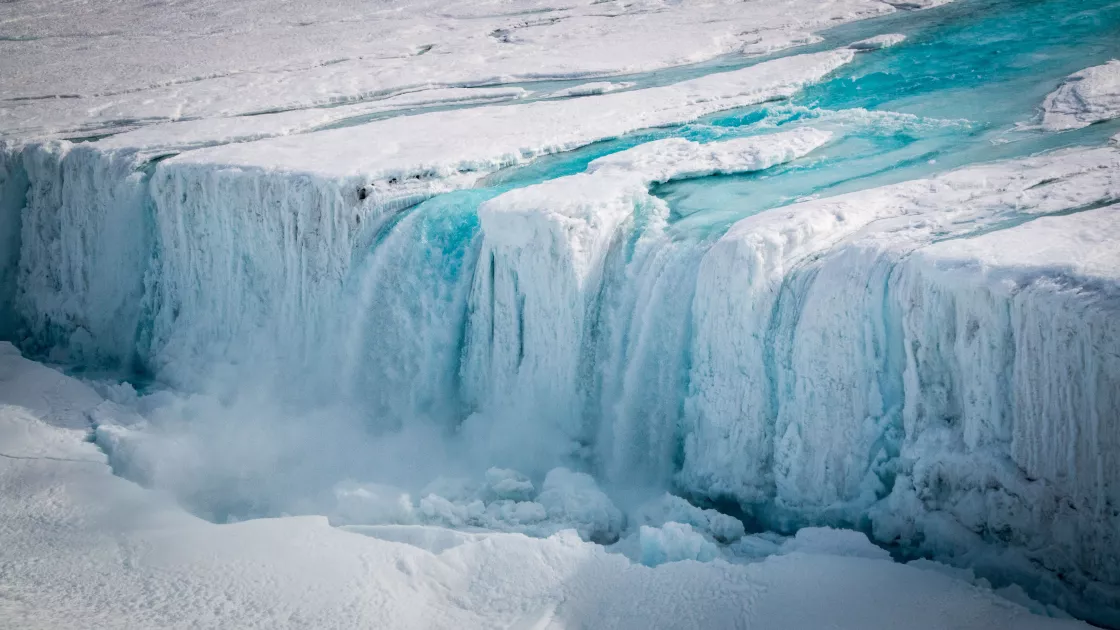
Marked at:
<point>1086,97</point>
<point>86,549</point>
<point>474,141</point>
<point>94,68</point>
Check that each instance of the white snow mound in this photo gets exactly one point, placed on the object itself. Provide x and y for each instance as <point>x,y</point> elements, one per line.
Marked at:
<point>1086,97</point>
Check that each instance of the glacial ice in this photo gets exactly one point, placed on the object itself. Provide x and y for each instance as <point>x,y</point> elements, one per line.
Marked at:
<point>291,210</point>
<point>862,396</point>
<point>543,253</point>
<point>1086,97</point>
<point>376,325</point>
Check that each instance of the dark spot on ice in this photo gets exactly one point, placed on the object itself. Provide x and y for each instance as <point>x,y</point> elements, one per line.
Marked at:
<point>1045,182</point>
<point>501,35</point>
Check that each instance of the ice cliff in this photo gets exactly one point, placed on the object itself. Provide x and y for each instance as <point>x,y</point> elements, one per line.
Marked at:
<point>931,360</point>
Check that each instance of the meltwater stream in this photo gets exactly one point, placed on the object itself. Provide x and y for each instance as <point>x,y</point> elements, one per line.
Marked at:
<point>710,331</point>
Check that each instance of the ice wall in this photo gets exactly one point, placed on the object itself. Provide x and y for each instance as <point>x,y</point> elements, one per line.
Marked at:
<point>842,371</point>
<point>281,246</point>
<point>13,193</point>
<point>1012,395</point>
<point>247,248</point>
<point>536,303</point>
<point>84,242</point>
<point>874,360</point>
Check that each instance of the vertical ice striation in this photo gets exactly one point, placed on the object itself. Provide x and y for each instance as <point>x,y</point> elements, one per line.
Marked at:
<point>406,313</point>
<point>84,245</point>
<point>250,264</point>
<point>541,263</point>
<point>1013,392</point>
<point>928,356</point>
<point>537,301</point>
<point>13,195</point>
<point>797,382</point>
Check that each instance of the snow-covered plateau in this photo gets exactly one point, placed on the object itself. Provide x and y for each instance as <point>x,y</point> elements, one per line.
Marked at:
<point>549,314</point>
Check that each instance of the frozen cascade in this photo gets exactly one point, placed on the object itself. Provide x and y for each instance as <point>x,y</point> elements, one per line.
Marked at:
<point>408,313</point>
<point>536,299</point>
<point>86,232</point>
<point>13,193</point>
<point>793,364</point>
<point>875,360</point>
<point>818,363</point>
<point>253,261</point>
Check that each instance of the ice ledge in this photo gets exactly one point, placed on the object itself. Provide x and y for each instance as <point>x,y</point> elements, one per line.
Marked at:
<point>1086,97</point>
<point>477,141</point>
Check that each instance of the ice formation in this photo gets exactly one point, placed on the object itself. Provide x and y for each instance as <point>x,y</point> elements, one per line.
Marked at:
<point>1086,97</point>
<point>299,190</point>
<point>637,344</point>
<point>543,256</point>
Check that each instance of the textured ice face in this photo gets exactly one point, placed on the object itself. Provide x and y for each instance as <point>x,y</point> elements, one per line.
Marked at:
<point>1086,97</point>
<point>792,312</point>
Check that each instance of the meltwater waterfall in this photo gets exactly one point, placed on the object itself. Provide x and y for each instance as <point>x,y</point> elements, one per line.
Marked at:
<point>793,293</point>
